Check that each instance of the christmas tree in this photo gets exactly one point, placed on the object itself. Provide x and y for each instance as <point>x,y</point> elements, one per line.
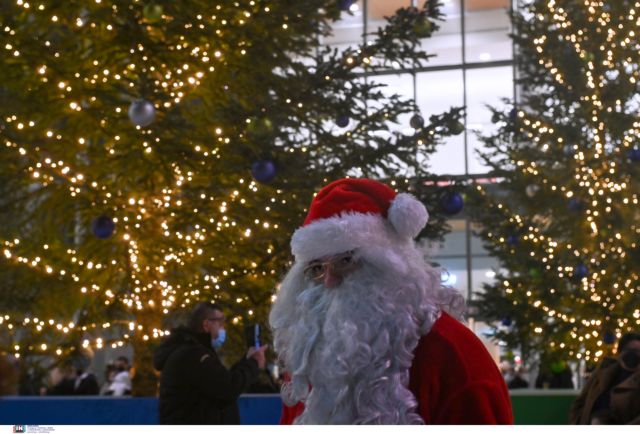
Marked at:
<point>158,153</point>
<point>562,217</point>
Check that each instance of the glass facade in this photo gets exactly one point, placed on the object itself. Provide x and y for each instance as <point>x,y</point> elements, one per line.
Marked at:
<point>472,67</point>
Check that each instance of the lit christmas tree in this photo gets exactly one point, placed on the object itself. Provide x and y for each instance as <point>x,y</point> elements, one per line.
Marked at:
<point>563,218</point>
<point>158,153</point>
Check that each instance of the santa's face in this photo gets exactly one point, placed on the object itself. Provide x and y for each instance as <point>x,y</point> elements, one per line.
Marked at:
<point>331,271</point>
<point>346,330</point>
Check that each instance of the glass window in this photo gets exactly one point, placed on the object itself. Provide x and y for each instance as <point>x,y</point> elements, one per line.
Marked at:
<point>437,92</point>
<point>487,28</point>
<point>378,9</point>
<point>400,84</point>
<point>485,86</point>
<point>349,29</point>
<point>446,42</point>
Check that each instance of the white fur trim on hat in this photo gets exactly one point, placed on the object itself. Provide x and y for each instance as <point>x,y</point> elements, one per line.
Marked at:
<point>407,215</point>
<point>351,230</point>
<point>342,233</point>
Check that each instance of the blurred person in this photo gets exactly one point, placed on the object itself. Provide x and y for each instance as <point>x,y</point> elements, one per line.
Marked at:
<point>555,375</point>
<point>365,329</point>
<point>8,376</point>
<point>612,393</point>
<point>517,381</point>
<point>85,383</point>
<point>121,382</point>
<point>195,387</point>
<point>62,380</point>
<point>109,374</point>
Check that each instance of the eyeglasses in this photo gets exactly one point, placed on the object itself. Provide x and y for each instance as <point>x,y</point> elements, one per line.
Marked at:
<point>214,319</point>
<point>340,264</point>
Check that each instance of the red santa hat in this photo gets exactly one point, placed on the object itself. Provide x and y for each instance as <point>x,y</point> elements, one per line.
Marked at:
<point>355,213</point>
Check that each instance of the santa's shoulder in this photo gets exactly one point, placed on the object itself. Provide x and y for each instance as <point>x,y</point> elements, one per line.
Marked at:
<point>451,346</point>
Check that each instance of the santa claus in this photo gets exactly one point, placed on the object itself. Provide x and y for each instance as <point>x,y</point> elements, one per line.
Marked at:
<point>365,329</point>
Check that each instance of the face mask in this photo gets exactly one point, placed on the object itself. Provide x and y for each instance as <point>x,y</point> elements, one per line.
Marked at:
<point>630,359</point>
<point>217,342</point>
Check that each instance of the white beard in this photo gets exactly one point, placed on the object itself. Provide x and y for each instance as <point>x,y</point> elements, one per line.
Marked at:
<point>354,344</point>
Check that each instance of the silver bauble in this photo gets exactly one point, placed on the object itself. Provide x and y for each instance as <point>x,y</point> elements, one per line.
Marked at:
<point>532,190</point>
<point>142,112</point>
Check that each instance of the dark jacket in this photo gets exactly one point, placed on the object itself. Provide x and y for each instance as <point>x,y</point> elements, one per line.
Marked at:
<point>624,403</point>
<point>195,388</point>
<point>88,385</point>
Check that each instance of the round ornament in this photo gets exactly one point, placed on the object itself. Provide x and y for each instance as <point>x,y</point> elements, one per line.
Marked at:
<point>574,204</point>
<point>506,321</point>
<point>452,202</point>
<point>152,13</point>
<point>535,274</point>
<point>344,5</point>
<point>342,121</point>
<point>422,28</point>
<point>263,171</point>
<point>512,240</point>
<point>532,190</point>
<point>634,155</point>
<point>260,127</point>
<point>580,271</point>
<point>103,227</point>
<point>608,337</point>
<point>456,127</point>
<point>513,115</point>
<point>142,113</point>
<point>568,150</point>
<point>416,121</point>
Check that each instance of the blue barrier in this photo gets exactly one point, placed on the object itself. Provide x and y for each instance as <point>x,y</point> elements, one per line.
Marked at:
<point>254,410</point>
<point>537,407</point>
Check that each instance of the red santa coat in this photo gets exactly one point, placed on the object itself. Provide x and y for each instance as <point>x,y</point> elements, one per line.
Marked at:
<point>454,379</point>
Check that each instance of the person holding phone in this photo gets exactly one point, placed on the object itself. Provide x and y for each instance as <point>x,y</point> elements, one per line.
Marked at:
<point>195,387</point>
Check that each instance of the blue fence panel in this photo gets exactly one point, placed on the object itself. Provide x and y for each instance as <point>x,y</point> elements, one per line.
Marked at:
<point>78,411</point>
<point>254,410</point>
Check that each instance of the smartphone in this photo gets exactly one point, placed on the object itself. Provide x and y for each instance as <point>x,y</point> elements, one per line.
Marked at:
<point>252,335</point>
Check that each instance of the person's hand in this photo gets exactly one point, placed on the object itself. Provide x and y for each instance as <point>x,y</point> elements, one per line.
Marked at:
<point>258,355</point>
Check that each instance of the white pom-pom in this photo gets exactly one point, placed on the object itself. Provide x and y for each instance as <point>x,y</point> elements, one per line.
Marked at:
<point>407,215</point>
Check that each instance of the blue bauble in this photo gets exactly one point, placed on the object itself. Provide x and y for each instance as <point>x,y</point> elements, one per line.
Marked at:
<point>103,227</point>
<point>513,115</point>
<point>634,154</point>
<point>575,204</point>
<point>142,113</point>
<point>580,271</point>
<point>344,5</point>
<point>512,240</point>
<point>342,121</point>
<point>608,337</point>
<point>452,202</point>
<point>506,321</point>
<point>263,171</point>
